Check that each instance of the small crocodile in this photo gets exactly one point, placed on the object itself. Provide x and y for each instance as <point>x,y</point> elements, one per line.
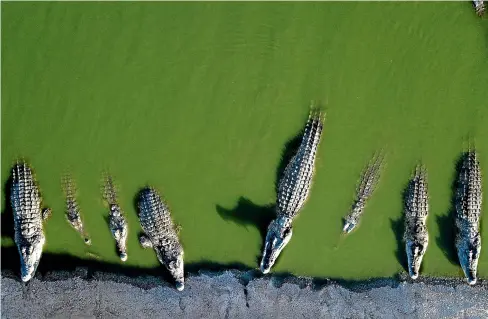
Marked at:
<point>479,6</point>
<point>365,189</point>
<point>28,219</point>
<point>117,222</point>
<point>416,211</point>
<point>293,190</point>
<point>160,233</point>
<point>72,209</point>
<point>468,212</point>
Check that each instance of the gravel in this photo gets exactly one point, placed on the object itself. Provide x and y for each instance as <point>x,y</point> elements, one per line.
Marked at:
<point>235,294</point>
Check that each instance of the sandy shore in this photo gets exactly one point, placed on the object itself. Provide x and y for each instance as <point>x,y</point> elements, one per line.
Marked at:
<point>234,294</point>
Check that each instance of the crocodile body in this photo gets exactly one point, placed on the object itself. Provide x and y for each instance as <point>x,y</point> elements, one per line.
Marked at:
<point>73,213</point>
<point>293,190</point>
<point>479,6</point>
<point>468,213</point>
<point>160,233</point>
<point>367,184</point>
<point>416,211</point>
<point>117,222</point>
<point>28,219</point>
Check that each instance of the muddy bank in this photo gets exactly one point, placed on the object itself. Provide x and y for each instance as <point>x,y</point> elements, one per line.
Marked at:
<point>236,294</point>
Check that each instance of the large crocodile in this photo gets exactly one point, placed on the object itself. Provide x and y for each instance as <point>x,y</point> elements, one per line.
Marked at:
<point>73,213</point>
<point>416,211</point>
<point>367,185</point>
<point>293,190</point>
<point>28,217</point>
<point>468,212</point>
<point>479,6</point>
<point>117,222</point>
<point>160,233</point>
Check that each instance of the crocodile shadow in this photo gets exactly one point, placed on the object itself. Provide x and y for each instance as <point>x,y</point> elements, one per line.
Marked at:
<point>246,212</point>
<point>398,228</point>
<point>7,218</point>
<point>54,267</point>
<point>446,223</point>
<point>260,216</point>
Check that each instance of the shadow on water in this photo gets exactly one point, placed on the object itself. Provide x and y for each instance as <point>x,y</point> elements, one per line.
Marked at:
<point>398,228</point>
<point>7,218</point>
<point>62,266</point>
<point>246,212</point>
<point>446,223</point>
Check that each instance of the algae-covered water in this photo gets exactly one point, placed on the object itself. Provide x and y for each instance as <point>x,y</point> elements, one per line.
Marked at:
<point>200,99</point>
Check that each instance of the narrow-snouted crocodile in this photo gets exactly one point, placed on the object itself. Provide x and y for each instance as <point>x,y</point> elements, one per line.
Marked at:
<point>160,233</point>
<point>367,185</point>
<point>479,7</point>
<point>117,222</point>
<point>468,212</point>
<point>293,190</point>
<point>73,213</point>
<point>28,217</point>
<point>416,211</point>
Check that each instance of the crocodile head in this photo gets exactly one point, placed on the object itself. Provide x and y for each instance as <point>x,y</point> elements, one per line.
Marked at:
<point>351,221</point>
<point>468,254</point>
<point>172,259</point>
<point>30,255</point>
<point>349,226</point>
<point>278,236</point>
<point>415,254</point>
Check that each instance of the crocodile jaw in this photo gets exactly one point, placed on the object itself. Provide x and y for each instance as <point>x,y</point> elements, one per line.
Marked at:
<point>415,254</point>
<point>174,264</point>
<point>468,254</point>
<point>30,255</point>
<point>348,227</point>
<point>279,234</point>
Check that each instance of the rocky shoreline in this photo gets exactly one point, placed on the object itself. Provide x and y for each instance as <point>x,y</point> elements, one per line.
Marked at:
<point>237,294</point>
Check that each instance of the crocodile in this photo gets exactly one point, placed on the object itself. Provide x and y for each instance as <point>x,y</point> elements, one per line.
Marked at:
<point>479,7</point>
<point>117,222</point>
<point>293,190</point>
<point>468,213</point>
<point>416,210</point>
<point>160,234</point>
<point>73,213</point>
<point>28,219</point>
<point>367,184</point>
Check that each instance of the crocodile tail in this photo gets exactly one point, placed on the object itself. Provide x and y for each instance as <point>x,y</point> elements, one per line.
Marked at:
<point>370,177</point>
<point>109,190</point>
<point>313,129</point>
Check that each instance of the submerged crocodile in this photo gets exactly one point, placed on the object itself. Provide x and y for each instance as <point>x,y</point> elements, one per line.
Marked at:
<point>28,217</point>
<point>117,222</point>
<point>468,212</point>
<point>72,209</point>
<point>416,211</point>
<point>365,189</point>
<point>479,6</point>
<point>293,190</point>
<point>160,233</point>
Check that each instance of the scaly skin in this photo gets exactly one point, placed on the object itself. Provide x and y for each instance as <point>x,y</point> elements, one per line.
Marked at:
<point>160,234</point>
<point>26,206</point>
<point>366,187</point>
<point>117,222</point>
<point>293,190</point>
<point>416,211</point>
<point>73,213</point>
<point>468,213</point>
<point>479,6</point>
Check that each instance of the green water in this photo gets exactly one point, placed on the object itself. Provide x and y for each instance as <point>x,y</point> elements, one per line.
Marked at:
<point>199,99</point>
